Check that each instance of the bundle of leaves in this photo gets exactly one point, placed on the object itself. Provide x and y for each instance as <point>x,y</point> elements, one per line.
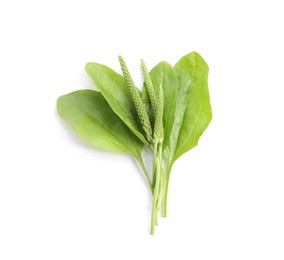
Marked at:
<point>169,115</point>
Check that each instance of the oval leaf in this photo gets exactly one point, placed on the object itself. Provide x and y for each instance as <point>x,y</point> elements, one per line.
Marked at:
<point>193,112</point>
<point>115,90</point>
<point>88,113</point>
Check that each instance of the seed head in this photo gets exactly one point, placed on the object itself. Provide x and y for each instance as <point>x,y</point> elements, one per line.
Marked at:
<point>137,101</point>
<point>149,87</point>
<point>158,127</point>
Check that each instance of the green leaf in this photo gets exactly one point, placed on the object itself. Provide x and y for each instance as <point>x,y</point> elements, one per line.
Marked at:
<point>163,74</point>
<point>193,112</point>
<point>88,113</point>
<point>115,90</point>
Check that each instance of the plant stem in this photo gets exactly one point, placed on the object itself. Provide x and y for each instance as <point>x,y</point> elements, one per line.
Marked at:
<point>167,180</point>
<point>156,173</point>
<point>154,149</point>
<point>158,150</point>
<point>146,174</point>
<point>160,187</point>
<point>162,190</point>
<point>157,216</point>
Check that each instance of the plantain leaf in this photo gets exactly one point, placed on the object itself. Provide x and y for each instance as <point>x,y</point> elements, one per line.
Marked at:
<point>88,113</point>
<point>115,90</point>
<point>193,112</point>
<point>163,74</point>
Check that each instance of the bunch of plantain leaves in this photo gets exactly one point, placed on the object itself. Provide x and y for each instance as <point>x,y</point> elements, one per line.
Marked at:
<point>169,115</point>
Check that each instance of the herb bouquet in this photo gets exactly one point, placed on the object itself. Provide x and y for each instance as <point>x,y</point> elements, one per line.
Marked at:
<point>169,115</point>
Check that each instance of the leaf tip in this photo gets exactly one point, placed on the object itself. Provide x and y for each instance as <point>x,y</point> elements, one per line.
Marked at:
<point>59,105</point>
<point>88,66</point>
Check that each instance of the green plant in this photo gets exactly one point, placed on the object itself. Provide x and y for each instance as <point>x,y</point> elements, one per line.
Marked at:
<point>169,115</point>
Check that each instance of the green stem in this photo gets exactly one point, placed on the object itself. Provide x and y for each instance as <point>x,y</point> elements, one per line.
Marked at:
<point>161,192</point>
<point>157,216</point>
<point>156,168</point>
<point>146,174</point>
<point>154,149</point>
<point>167,180</point>
<point>161,187</point>
<point>161,177</point>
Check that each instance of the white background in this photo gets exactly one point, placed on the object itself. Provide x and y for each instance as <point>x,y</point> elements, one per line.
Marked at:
<point>61,199</point>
